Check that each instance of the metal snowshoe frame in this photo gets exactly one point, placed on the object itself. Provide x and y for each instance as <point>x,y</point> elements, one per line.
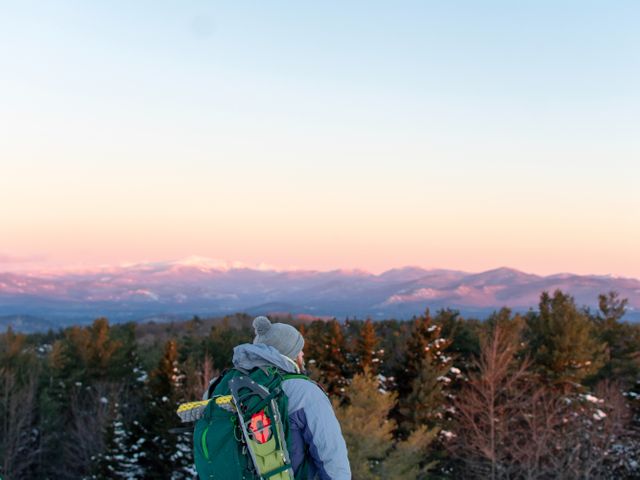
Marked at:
<point>267,399</point>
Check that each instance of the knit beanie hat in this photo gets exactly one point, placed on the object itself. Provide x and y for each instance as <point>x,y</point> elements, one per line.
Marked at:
<point>284,338</point>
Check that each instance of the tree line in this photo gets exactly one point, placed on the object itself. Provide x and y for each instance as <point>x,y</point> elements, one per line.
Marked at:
<point>550,393</point>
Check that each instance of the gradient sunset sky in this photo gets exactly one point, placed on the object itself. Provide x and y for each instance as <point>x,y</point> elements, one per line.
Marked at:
<point>337,134</point>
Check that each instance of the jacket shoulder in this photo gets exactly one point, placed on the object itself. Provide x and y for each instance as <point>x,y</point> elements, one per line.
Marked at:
<point>303,393</point>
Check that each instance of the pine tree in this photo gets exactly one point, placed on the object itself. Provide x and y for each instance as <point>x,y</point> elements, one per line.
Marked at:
<point>622,341</point>
<point>612,307</point>
<point>164,454</point>
<point>367,355</point>
<point>368,432</point>
<point>313,341</point>
<point>417,348</point>
<point>332,361</point>
<point>464,335</point>
<point>121,454</point>
<point>87,366</point>
<point>221,341</point>
<point>562,340</point>
<point>116,462</point>
<point>622,351</point>
<point>423,380</point>
<point>425,404</point>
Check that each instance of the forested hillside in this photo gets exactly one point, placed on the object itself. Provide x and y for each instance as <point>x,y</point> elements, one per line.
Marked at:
<point>441,396</point>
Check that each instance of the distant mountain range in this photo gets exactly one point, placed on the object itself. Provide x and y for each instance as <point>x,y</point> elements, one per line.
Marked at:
<point>195,286</point>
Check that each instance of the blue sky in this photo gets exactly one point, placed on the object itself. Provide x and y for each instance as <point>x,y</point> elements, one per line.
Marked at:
<point>345,132</point>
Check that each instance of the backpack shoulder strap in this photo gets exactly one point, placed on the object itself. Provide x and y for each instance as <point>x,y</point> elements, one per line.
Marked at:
<point>213,384</point>
<point>216,381</point>
<point>291,376</point>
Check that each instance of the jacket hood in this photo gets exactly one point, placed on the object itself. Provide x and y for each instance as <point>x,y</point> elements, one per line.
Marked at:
<point>248,356</point>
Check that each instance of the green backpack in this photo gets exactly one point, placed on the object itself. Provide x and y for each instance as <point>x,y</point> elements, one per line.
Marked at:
<point>244,430</point>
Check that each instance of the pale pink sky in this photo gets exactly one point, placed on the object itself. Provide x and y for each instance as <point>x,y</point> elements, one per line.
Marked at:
<point>292,230</point>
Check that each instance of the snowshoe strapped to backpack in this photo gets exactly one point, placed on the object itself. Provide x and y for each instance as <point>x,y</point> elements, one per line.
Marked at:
<point>244,429</point>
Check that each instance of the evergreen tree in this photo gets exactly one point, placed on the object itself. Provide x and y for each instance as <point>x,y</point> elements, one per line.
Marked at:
<point>423,380</point>
<point>121,454</point>
<point>221,341</point>
<point>164,454</point>
<point>511,327</point>
<point>86,369</point>
<point>313,341</point>
<point>78,403</point>
<point>87,354</point>
<point>332,359</point>
<point>612,308</point>
<point>393,336</point>
<point>463,333</point>
<point>368,432</point>
<point>116,462</point>
<point>366,350</point>
<point>622,351</point>
<point>417,347</point>
<point>621,340</point>
<point>425,404</point>
<point>562,340</point>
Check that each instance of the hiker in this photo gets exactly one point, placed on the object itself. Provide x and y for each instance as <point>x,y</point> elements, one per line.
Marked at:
<point>316,448</point>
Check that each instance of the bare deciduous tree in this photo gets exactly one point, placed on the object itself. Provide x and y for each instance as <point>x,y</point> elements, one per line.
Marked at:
<point>512,426</point>
<point>488,407</point>
<point>207,374</point>
<point>197,378</point>
<point>17,435</point>
<point>91,411</point>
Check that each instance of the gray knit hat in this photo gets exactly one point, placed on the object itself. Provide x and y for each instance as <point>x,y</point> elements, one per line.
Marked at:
<point>284,338</point>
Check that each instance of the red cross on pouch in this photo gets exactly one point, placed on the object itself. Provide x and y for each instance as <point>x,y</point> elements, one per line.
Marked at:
<point>260,427</point>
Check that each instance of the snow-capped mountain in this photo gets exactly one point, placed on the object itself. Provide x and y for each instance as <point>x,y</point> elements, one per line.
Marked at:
<point>201,286</point>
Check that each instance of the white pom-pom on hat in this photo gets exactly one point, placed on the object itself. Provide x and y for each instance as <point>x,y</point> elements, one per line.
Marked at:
<point>261,325</point>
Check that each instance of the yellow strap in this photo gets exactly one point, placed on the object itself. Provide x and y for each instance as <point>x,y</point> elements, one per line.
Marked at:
<point>191,405</point>
<point>223,399</point>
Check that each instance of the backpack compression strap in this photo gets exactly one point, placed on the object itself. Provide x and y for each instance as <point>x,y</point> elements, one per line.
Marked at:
<point>262,428</point>
<point>192,411</point>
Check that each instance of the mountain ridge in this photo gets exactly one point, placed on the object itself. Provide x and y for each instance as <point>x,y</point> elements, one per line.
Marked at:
<point>201,287</point>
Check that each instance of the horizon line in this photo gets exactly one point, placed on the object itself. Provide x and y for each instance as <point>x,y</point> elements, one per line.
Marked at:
<point>213,264</point>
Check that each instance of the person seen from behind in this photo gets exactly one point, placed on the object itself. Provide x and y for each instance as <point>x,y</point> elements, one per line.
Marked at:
<point>316,447</point>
